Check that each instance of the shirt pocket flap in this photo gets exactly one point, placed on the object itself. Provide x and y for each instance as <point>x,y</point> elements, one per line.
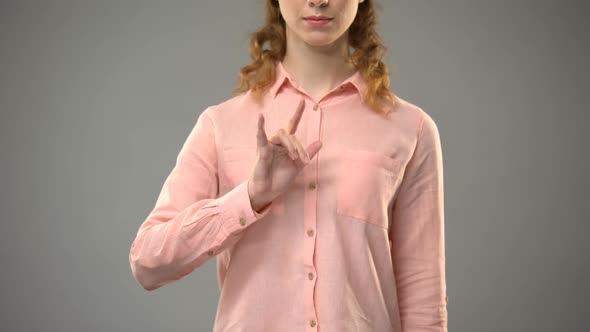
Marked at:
<point>366,184</point>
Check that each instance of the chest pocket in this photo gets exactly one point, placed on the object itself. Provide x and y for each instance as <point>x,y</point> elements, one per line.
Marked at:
<point>238,164</point>
<point>367,183</point>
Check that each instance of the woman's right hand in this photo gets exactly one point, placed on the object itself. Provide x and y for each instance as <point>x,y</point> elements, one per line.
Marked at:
<point>278,160</point>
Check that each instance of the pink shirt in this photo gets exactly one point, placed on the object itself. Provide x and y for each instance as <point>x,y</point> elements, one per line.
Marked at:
<point>355,245</point>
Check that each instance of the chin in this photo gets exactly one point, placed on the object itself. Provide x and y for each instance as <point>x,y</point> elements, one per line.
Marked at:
<point>319,41</point>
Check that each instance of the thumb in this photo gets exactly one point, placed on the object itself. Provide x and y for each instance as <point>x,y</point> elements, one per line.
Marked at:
<point>313,149</point>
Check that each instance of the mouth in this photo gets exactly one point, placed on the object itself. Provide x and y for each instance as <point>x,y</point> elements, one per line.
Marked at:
<point>317,20</point>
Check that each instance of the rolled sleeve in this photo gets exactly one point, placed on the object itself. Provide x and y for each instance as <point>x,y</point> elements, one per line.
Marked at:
<point>189,224</point>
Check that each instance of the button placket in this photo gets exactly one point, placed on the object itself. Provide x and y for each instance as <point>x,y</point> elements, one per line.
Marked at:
<point>310,176</point>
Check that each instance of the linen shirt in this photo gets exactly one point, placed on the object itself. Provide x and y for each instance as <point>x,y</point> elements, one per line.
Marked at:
<point>356,243</point>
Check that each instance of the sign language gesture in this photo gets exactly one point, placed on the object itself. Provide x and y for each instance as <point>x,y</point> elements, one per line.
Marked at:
<point>278,160</point>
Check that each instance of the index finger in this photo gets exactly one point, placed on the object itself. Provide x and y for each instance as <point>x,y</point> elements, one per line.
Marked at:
<point>294,121</point>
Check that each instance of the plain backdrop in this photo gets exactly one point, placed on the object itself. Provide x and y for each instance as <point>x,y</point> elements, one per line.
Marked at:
<point>97,97</point>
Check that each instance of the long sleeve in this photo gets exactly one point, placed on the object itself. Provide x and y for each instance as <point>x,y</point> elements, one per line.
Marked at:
<point>417,235</point>
<point>189,224</point>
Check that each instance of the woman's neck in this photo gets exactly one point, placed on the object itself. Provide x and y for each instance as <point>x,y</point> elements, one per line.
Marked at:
<point>318,69</point>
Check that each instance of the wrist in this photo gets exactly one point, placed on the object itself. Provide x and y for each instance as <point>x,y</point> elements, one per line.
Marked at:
<point>256,202</point>
<point>258,207</point>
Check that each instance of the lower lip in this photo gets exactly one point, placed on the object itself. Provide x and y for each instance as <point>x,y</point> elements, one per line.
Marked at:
<point>317,23</point>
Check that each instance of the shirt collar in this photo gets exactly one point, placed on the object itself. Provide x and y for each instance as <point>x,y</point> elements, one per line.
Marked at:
<point>283,76</point>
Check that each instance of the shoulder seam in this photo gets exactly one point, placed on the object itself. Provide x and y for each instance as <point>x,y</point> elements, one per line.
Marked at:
<point>420,128</point>
<point>212,125</point>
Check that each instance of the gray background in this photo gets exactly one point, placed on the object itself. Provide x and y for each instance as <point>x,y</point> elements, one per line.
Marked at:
<point>97,97</point>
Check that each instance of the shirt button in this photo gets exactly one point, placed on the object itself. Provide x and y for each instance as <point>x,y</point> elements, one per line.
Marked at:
<point>311,186</point>
<point>316,107</point>
<point>242,221</point>
<point>310,275</point>
<point>312,323</point>
<point>310,232</point>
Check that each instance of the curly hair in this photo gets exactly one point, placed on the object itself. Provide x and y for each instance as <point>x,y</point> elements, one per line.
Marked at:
<point>367,56</point>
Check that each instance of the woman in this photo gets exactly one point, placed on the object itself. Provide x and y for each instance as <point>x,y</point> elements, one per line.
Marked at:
<point>335,222</point>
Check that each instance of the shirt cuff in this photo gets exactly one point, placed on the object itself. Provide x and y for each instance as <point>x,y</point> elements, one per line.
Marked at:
<point>237,210</point>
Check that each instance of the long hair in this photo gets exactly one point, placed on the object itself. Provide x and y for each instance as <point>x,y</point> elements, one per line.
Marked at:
<point>367,56</point>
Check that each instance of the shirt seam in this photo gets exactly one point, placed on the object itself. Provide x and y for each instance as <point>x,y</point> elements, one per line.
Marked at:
<point>216,166</point>
<point>420,128</point>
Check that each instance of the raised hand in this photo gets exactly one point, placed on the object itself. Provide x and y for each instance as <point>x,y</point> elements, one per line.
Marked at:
<point>278,160</point>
